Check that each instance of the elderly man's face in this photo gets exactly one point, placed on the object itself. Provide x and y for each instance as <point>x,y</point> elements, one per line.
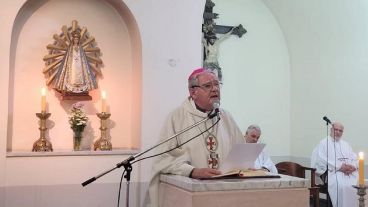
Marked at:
<point>337,130</point>
<point>252,136</point>
<point>207,92</point>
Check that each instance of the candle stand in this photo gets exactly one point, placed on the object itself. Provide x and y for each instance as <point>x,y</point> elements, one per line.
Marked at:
<point>361,193</point>
<point>103,143</point>
<point>42,144</point>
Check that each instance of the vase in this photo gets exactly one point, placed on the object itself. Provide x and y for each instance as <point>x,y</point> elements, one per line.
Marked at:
<point>77,139</point>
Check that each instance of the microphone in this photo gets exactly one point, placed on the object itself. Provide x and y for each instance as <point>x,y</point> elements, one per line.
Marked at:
<point>327,120</point>
<point>215,111</point>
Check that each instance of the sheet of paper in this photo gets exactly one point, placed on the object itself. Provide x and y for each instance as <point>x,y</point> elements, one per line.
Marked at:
<point>241,156</point>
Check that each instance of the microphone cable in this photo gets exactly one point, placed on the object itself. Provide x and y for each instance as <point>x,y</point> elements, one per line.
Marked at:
<point>121,180</point>
<point>178,146</point>
<point>155,155</point>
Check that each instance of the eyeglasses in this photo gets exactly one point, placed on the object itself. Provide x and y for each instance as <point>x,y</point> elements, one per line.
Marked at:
<point>339,130</point>
<point>209,86</point>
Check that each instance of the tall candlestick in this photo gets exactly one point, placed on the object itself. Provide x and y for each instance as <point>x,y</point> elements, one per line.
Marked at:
<point>361,169</point>
<point>43,99</point>
<point>103,104</point>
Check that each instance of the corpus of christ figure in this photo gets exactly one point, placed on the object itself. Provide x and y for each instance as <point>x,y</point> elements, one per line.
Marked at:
<point>213,35</point>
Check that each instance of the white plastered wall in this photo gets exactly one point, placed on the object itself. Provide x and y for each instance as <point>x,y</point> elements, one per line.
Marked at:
<point>256,72</point>
<point>328,45</point>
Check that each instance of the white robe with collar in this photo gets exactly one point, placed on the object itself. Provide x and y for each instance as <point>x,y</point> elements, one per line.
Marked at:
<point>264,161</point>
<point>194,153</point>
<point>339,184</point>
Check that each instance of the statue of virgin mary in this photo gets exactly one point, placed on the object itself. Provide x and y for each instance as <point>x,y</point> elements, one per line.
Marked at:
<point>72,65</point>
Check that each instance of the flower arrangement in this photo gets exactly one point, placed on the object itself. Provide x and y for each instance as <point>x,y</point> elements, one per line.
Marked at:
<point>77,119</point>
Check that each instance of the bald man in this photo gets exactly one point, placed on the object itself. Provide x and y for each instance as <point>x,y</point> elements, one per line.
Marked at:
<point>342,166</point>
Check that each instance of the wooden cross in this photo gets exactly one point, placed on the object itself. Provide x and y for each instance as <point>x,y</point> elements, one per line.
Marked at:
<point>209,26</point>
<point>211,40</point>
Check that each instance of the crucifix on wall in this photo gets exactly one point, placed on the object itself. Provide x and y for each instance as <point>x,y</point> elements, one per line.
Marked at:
<point>213,35</point>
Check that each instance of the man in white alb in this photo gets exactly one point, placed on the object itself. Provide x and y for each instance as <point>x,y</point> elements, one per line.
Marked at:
<point>263,161</point>
<point>342,166</point>
<point>202,156</point>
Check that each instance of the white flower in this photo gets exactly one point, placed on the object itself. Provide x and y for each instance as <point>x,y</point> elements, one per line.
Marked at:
<point>77,119</point>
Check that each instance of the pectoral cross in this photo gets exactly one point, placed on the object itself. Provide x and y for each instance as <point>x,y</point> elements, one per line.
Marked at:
<point>211,143</point>
<point>213,160</point>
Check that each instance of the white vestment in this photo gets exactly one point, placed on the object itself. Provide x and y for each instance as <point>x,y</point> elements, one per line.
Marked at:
<point>338,183</point>
<point>264,161</point>
<point>194,153</point>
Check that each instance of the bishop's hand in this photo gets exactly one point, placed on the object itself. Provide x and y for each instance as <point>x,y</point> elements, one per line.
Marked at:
<point>204,172</point>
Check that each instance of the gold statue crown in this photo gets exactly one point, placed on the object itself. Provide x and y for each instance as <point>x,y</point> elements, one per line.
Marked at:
<point>76,33</point>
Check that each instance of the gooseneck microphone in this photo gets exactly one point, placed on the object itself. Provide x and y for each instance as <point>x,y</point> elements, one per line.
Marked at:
<point>215,111</point>
<point>327,120</point>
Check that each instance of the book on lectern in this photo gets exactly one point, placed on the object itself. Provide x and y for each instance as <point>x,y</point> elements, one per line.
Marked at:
<point>245,173</point>
<point>240,161</point>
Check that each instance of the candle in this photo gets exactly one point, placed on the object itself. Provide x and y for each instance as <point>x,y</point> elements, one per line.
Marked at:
<point>43,99</point>
<point>103,104</point>
<point>361,169</point>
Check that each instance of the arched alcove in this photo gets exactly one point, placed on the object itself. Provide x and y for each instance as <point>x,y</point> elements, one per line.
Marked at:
<point>116,34</point>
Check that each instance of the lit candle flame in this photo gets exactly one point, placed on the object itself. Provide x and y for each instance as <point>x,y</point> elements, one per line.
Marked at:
<point>361,155</point>
<point>43,91</point>
<point>103,106</point>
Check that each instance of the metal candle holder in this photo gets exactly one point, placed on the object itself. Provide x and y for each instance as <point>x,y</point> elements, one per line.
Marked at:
<point>361,193</point>
<point>42,144</point>
<point>103,143</point>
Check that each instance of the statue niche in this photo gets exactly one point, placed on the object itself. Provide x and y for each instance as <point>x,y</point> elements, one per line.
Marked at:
<point>73,62</point>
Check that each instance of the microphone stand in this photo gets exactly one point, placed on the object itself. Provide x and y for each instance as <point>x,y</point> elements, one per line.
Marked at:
<point>328,203</point>
<point>127,163</point>
<point>337,182</point>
